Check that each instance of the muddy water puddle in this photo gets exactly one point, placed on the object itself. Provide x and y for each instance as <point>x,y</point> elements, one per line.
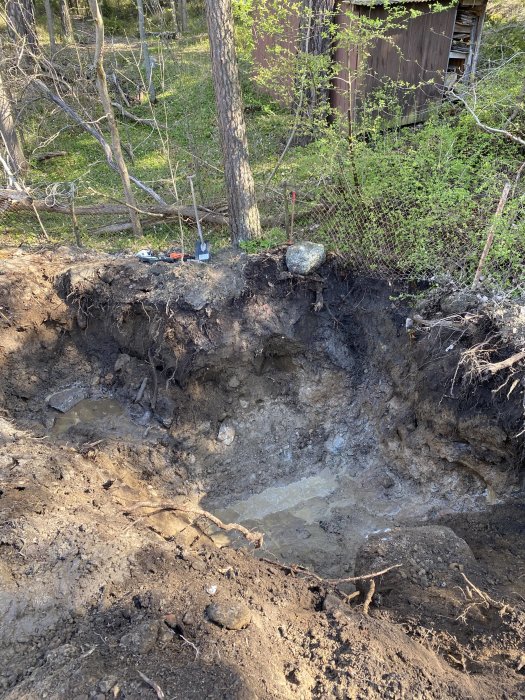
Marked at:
<point>318,521</point>
<point>104,414</point>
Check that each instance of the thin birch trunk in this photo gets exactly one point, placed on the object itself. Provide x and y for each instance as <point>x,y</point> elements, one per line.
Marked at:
<point>50,26</point>
<point>116,148</point>
<point>174,21</point>
<point>66,24</point>
<point>9,135</point>
<point>148,66</point>
<point>183,10</point>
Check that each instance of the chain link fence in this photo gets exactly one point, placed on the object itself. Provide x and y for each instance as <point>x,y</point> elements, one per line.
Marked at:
<point>409,234</point>
<point>385,237</point>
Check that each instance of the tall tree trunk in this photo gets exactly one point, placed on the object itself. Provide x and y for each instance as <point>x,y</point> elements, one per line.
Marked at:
<point>50,26</point>
<point>174,21</point>
<point>148,66</point>
<point>242,205</point>
<point>102,88</point>
<point>66,25</point>
<point>9,135</point>
<point>183,12</point>
<point>21,23</point>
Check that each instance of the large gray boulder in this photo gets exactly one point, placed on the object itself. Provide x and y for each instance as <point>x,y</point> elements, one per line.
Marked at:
<point>429,555</point>
<point>304,257</point>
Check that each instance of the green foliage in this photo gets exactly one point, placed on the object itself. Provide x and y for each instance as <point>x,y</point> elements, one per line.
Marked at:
<point>415,201</point>
<point>272,238</point>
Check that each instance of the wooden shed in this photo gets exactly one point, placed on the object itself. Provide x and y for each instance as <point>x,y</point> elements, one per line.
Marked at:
<point>425,53</point>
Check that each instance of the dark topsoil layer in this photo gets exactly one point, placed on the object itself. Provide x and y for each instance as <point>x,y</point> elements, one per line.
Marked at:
<point>86,582</point>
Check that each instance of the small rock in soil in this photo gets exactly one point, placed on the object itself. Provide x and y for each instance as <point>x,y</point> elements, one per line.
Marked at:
<point>305,257</point>
<point>226,434</point>
<point>142,639</point>
<point>67,398</point>
<point>232,616</point>
<point>121,361</point>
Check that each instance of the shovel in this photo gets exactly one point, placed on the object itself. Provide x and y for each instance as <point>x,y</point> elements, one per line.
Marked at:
<point>202,247</point>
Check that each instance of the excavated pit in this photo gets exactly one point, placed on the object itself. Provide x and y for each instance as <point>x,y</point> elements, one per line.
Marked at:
<point>296,406</point>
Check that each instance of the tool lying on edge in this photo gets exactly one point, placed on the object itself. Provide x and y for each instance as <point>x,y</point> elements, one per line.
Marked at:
<point>148,256</point>
<point>202,247</point>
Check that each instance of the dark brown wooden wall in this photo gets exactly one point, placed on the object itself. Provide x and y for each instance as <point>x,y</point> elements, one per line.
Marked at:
<point>416,54</point>
<point>419,55</point>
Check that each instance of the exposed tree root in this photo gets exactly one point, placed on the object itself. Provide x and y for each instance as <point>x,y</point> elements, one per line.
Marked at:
<point>297,569</point>
<point>484,601</point>
<point>256,538</point>
<point>369,596</point>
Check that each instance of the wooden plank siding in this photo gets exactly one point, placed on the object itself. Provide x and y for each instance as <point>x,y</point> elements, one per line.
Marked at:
<point>287,41</point>
<point>417,54</point>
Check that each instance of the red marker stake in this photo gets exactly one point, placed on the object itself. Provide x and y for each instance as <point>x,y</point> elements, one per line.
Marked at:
<point>294,195</point>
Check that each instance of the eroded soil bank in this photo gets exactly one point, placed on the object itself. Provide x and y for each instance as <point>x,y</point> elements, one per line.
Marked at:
<point>300,407</point>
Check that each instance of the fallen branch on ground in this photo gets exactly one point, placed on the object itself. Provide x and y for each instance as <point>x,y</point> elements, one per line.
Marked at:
<point>48,155</point>
<point>255,537</point>
<point>156,687</point>
<point>133,117</point>
<point>485,127</point>
<point>12,200</point>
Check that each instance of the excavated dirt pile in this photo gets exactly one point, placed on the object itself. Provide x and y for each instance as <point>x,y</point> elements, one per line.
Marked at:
<point>146,407</point>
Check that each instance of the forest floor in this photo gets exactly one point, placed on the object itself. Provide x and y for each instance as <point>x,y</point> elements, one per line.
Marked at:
<point>297,406</point>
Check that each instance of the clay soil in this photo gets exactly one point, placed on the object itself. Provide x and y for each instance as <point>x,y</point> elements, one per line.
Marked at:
<point>316,381</point>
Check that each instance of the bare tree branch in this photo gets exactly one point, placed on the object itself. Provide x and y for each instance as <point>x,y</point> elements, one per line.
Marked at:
<point>489,129</point>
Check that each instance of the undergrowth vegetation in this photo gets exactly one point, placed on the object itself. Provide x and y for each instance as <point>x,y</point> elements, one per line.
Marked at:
<point>414,201</point>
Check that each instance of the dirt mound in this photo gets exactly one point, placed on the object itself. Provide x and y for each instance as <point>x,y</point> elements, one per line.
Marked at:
<point>296,406</point>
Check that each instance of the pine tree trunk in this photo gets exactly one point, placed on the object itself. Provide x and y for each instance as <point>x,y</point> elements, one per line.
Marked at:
<point>66,24</point>
<point>116,148</point>
<point>21,23</point>
<point>148,67</point>
<point>242,205</point>
<point>50,26</point>
<point>9,135</point>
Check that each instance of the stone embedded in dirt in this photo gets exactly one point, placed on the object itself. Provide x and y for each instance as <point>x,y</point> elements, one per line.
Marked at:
<point>226,434</point>
<point>142,639</point>
<point>64,400</point>
<point>459,302</point>
<point>335,444</point>
<point>121,361</point>
<point>304,257</point>
<point>232,616</point>
<point>234,382</point>
<point>332,604</point>
<point>425,554</point>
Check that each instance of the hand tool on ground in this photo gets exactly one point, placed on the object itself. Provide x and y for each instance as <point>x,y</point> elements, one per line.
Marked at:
<point>202,247</point>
